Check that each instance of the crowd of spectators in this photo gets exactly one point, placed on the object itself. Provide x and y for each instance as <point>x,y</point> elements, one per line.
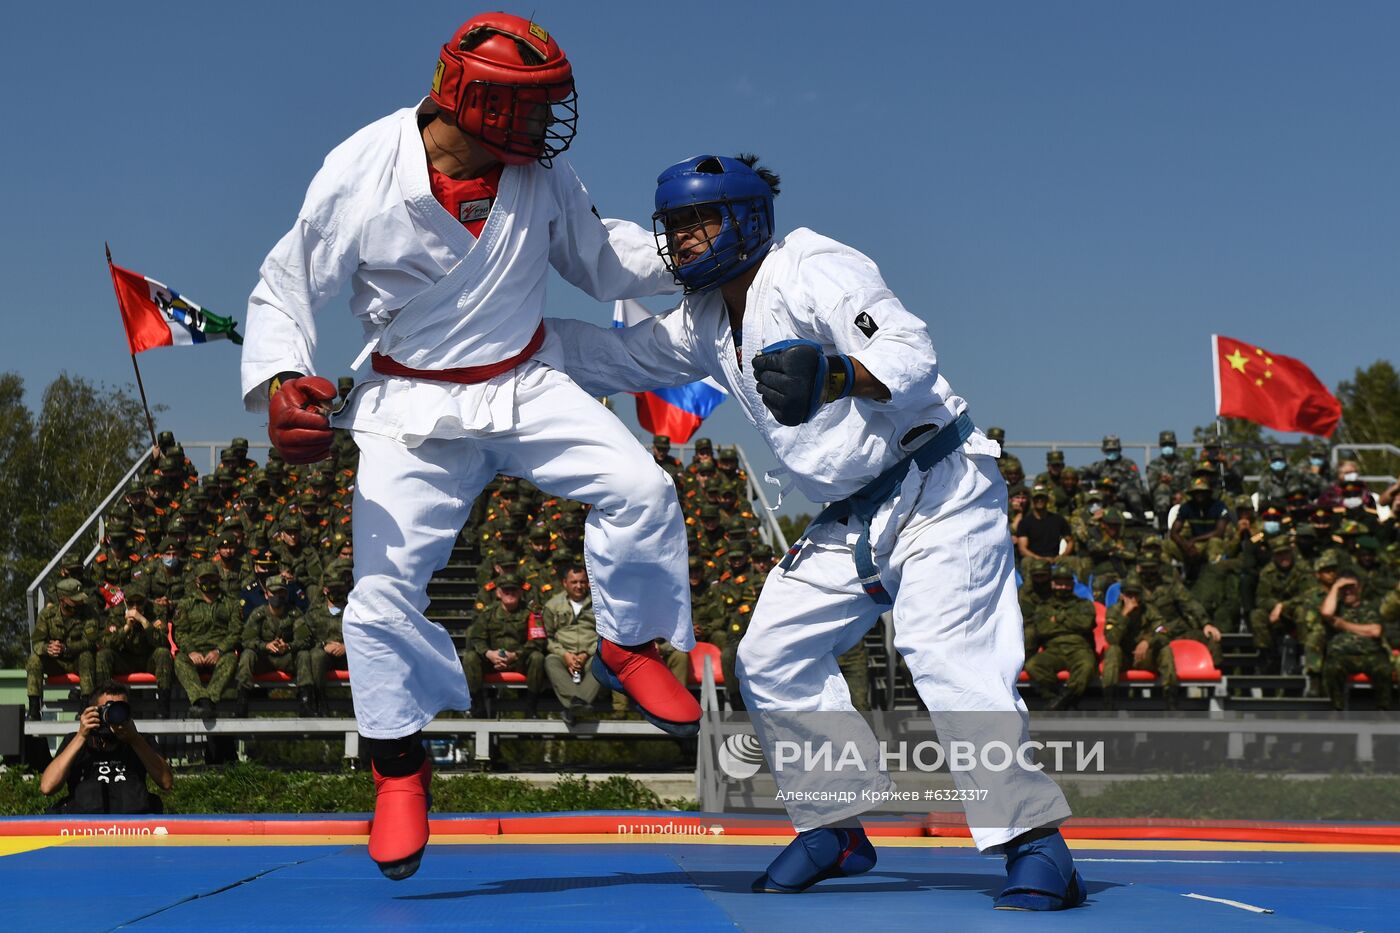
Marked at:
<point>1307,563</point>
<point>238,577</point>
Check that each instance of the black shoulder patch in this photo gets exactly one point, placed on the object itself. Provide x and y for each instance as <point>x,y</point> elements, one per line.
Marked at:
<point>866,324</point>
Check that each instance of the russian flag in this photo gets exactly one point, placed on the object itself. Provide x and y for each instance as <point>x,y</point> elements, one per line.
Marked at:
<point>676,412</point>
<point>158,316</point>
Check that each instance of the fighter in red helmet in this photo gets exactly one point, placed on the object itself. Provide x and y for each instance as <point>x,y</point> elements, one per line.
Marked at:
<point>444,219</point>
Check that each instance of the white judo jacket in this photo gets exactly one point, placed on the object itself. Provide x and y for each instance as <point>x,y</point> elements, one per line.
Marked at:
<point>808,286</point>
<point>426,292</point>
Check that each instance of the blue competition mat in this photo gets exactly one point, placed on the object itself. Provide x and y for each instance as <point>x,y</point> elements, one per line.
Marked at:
<point>671,886</point>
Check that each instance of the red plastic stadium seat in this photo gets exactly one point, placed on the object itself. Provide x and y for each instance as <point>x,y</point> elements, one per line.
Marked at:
<point>338,675</point>
<point>698,654</point>
<point>62,680</point>
<point>1193,663</point>
<point>273,677</point>
<point>505,677</point>
<point>131,680</point>
<point>1100,644</point>
<point>1359,679</point>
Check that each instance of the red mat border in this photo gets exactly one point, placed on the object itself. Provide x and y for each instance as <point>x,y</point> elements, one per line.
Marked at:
<point>940,825</point>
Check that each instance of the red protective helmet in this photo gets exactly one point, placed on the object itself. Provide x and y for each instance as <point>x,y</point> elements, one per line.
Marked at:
<point>506,82</point>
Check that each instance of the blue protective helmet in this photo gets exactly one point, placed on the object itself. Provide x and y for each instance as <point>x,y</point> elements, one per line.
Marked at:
<point>744,201</point>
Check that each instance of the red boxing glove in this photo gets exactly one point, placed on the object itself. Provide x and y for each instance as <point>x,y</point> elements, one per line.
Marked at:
<point>298,422</point>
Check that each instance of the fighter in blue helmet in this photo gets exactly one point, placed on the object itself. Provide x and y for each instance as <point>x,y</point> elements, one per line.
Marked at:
<point>842,382</point>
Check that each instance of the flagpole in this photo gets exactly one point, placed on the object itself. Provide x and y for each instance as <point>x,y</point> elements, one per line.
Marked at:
<point>140,386</point>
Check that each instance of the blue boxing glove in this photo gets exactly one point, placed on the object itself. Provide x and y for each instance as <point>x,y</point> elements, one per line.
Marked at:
<point>795,378</point>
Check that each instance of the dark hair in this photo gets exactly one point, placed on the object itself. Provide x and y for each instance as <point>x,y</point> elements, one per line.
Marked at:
<point>763,171</point>
<point>574,567</point>
<point>110,687</point>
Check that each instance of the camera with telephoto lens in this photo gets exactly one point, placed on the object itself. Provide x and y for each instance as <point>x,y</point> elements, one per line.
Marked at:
<point>113,713</point>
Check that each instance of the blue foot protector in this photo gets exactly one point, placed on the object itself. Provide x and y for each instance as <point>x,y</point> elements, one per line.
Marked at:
<point>1040,875</point>
<point>816,855</point>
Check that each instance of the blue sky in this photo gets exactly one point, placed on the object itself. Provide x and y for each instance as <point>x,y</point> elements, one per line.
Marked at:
<point>1073,195</point>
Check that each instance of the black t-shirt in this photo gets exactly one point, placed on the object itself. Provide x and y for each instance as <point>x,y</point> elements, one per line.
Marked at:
<point>108,780</point>
<point>1043,534</point>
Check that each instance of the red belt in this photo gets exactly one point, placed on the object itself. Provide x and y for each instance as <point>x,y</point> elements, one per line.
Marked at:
<point>469,375</point>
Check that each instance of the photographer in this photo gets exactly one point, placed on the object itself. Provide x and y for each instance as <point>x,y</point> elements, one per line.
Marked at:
<point>105,763</point>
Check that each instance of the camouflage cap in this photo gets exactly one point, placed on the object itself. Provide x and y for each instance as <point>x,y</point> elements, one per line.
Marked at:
<point>169,544</point>
<point>508,581</point>
<point>1368,543</point>
<point>1201,484</point>
<point>229,539</point>
<point>165,439</point>
<point>1150,559</point>
<point>693,563</point>
<point>1244,503</point>
<point>275,583</point>
<point>1281,544</point>
<point>71,561</point>
<point>1011,462</point>
<point>996,434</point>
<point>1040,491</point>
<point>661,441</point>
<point>539,533</point>
<point>1017,489</point>
<point>1069,472</point>
<point>1329,559</point>
<point>308,500</point>
<point>239,443</point>
<point>227,455</point>
<point>1112,517</point>
<point>705,466</point>
<point>761,551</point>
<point>136,486</point>
<point>204,569</point>
<point>1061,572</point>
<point>1132,583</point>
<point>1111,442</point>
<point>1304,531</point>
<point>1037,567</point>
<point>727,453</point>
<point>274,468</point>
<point>69,588</point>
<point>1053,457</point>
<point>1166,438</point>
<point>135,591</point>
<point>704,445</point>
<point>738,548</point>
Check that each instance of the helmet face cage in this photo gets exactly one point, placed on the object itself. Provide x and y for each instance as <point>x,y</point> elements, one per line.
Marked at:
<point>746,228</point>
<point>520,123</point>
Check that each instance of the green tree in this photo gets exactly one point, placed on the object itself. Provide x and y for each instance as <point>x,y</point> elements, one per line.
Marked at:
<point>57,468</point>
<point>793,525</point>
<point>1371,415</point>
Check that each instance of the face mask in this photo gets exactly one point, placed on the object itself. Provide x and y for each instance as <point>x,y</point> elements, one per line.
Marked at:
<point>1352,502</point>
<point>333,610</point>
<point>277,602</point>
<point>1095,508</point>
<point>1316,461</point>
<point>1169,451</point>
<point>1113,455</point>
<point>1272,528</point>
<point>1277,465</point>
<point>170,562</point>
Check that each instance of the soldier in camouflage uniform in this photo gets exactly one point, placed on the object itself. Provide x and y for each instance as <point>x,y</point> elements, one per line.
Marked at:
<point>1061,638</point>
<point>998,435</point>
<point>1035,591</point>
<point>1281,582</point>
<point>1199,533</point>
<point>116,563</point>
<point>324,621</point>
<point>1182,615</point>
<point>276,637</point>
<point>1355,643</point>
<point>1277,478</point>
<point>207,626</point>
<point>1053,480</point>
<point>727,463</point>
<point>1011,470</point>
<point>1168,477</point>
<point>1137,638</point>
<point>1306,611</point>
<point>63,640</point>
<point>1124,472</point>
<point>1225,476</point>
<point>132,641</point>
<point>1106,556</point>
<point>661,453</point>
<point>497,641</point>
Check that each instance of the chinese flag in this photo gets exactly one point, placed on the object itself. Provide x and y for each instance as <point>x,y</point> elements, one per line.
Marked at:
<point>1276,391</point>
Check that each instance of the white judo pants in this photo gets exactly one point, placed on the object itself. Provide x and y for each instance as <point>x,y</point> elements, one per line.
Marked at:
<point>411,503</point>
<point>943,548</point>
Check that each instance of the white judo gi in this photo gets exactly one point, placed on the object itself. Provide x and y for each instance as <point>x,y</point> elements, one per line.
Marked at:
<point>430,296</point>
<point>941,545</point>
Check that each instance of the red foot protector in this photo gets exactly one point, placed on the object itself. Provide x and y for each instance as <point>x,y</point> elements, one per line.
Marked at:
<point>399,832</point>
<point>640,673</point>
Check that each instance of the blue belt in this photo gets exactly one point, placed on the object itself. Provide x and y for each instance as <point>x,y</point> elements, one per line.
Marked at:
<point>863,505</point>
